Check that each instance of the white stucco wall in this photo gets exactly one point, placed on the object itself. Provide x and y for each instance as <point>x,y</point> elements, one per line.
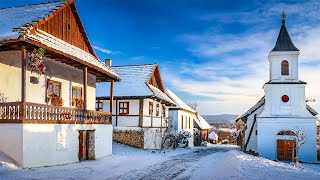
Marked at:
<point>252,144</point>
<point>296,106</point>
<point>153,137</point>
<point>10,78</point>
<point>11,140</point>
<point>175,117</point>
<point>36,145</point>
<point>47,151</point>
<point>268,129</point>
<point>10,75</point>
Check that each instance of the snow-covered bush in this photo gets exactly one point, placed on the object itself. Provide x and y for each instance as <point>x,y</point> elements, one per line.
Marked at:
<point>177,138</point>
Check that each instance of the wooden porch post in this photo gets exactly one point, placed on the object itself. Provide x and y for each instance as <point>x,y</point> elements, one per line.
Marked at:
<point>85,84</point>
<point>23,81</point>
<point>111,96</point>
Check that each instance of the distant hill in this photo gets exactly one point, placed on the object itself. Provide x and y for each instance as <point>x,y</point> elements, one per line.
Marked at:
<point>222,118</point>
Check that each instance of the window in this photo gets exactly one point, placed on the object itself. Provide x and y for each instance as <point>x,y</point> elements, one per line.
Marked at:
<point>150,108</point>
<point>181,122</point>
<point>99,105</point>
<point>186,124</point>
<point>189,123</point>
<point>163,111</point>
<point>76,92</point>
<point>53,88</point>
<point>285,68</point>
<point>157,110</point>
<point>123,108</point>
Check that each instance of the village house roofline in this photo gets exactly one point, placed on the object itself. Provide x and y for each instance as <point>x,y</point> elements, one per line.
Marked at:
<point>25,29</point>
<point>179,102</point>
<point>143,80</point>
<point>136,97</point>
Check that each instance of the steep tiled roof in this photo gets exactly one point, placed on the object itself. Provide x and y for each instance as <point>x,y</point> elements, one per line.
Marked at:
<point>12,19</point>
<point>21,18</point>
<point>133,83</point>
<point>284,42</point>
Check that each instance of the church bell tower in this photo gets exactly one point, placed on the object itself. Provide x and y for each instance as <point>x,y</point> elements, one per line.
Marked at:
<point>284,93</point>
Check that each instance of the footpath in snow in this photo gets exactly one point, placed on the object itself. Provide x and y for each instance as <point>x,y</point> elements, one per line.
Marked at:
<point>212,162</point>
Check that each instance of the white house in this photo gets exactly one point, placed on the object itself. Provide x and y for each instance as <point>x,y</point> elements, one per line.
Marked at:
<point>140,109</point>
<point>184,118</point>
<point>47,104</point>
<point>271,122</point>
<point>181,116</point>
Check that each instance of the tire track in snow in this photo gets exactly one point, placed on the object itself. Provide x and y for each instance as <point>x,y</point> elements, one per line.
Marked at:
<point>172,168</point>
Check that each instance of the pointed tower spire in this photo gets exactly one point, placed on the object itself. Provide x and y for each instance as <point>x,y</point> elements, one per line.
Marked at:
<point>284,42</point>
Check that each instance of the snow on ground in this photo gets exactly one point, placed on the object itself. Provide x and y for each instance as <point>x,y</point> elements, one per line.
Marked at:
<point>211,162</point>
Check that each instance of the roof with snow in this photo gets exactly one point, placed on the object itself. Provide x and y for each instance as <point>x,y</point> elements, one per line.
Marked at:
<point>12,19</point>
<point>261,102</point>
<point>213,135</point>
<point>18,21</point>
<point>202,123</point>
<point>284,42</point>
<point>180,104</point>
<point>134,83</point>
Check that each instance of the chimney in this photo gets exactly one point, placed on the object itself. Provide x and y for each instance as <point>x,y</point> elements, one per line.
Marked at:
<point>108,62</point>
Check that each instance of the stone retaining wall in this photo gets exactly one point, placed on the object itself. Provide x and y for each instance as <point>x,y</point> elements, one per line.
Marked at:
<point>129,137</point>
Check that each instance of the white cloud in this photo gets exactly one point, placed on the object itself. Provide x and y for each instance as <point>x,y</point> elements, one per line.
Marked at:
<point>103,50</point>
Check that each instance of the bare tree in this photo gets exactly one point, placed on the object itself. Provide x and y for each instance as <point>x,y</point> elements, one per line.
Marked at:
<point>193,105</point>
<point>300,139</point>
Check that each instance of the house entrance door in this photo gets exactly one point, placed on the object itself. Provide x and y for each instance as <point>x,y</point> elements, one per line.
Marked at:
<point>86,145</point>
<point>285,149</point>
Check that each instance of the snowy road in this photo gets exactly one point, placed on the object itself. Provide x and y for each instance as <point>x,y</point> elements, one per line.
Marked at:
<point>178,167</point>
<point>213,162</point>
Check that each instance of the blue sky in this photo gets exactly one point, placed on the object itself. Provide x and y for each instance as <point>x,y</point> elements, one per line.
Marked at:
<point>210,52</point>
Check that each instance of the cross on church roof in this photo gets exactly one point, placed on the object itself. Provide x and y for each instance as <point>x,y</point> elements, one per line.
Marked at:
<point>284,42</point>
<point>284,16</point>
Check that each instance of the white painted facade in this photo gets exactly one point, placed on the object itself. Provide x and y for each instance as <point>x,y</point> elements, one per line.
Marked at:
<point>182,120</point>
<point>132,119</point>
<point>277,115</point>
<point>36,145</point>
<point>10,78</point>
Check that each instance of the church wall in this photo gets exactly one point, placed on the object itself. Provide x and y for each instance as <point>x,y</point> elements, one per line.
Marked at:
<point>268,129</point>
<point>296,106</point>
<point>253,139</point>
<point>275,60</point>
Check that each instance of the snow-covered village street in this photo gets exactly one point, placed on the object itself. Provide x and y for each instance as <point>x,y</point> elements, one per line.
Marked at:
<point>212,162</point>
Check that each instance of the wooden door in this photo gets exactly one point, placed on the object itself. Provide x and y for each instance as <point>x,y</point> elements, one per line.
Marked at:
<point>87,145</point>
<point>91,145</point>
<point>285,149</point>
<point>82,145</point>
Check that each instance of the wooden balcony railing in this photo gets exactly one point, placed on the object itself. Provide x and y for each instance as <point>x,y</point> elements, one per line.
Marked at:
<point>18,112</point>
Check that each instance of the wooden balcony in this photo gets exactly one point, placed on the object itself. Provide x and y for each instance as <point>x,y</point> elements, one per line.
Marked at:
<point>32,113</point>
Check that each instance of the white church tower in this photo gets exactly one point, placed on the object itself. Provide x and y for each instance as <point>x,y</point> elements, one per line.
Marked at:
<point>271,122</point>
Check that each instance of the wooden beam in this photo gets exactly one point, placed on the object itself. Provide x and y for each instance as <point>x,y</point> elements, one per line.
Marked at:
<point>23,80</point>
<point>85,84</point>
<point>111,96</point>
<point>117,112</point>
